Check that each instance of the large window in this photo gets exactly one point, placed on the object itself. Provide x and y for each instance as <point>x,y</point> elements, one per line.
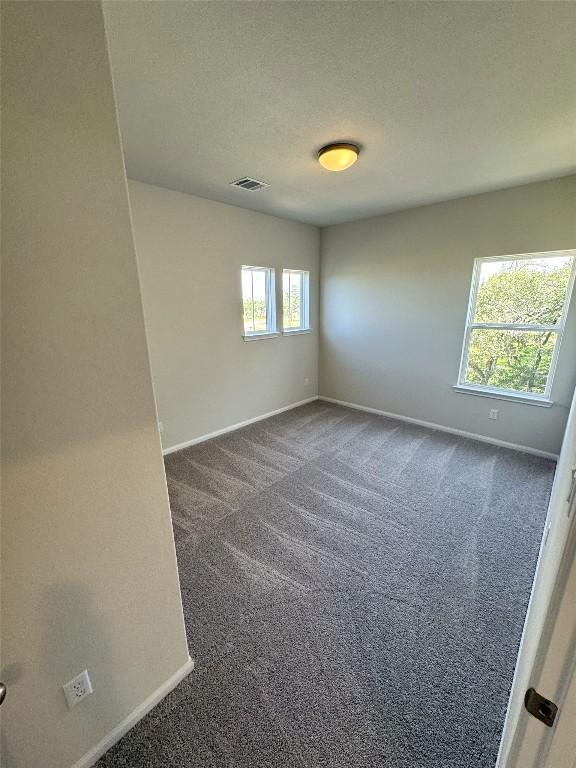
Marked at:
<point>516,317</point>
<point>295,301</point>
<point>259,302</point>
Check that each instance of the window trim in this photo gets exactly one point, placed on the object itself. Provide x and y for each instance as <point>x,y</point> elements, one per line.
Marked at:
<point>305,303</point>
<point>503,394</point>
<point>531,398</point>
<point>270,288</point>
<point>261,335</point>
<point>296,331</point>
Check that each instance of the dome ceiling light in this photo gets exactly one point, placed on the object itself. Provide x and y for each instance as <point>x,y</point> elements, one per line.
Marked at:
<point>338,157</point>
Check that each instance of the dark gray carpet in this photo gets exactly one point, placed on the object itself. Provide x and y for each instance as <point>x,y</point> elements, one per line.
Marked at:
<point>354,590</point>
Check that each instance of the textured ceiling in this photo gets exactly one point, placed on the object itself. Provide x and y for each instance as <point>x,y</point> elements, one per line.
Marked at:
<point>446,98</point>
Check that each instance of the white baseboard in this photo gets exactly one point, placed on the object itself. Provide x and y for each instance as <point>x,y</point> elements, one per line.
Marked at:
<point>233,427</point>
<point>441,428</point>
<point>137,714</point>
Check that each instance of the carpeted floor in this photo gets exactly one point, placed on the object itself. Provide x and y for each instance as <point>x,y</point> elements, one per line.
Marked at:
<point>354,590</point>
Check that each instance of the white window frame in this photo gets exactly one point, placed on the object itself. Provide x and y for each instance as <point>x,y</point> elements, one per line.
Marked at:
<point>270,287</point>
<point>305,302</point>
<point>543,399</point>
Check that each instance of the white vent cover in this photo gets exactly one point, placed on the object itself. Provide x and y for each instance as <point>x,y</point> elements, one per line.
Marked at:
<point>250,184</point>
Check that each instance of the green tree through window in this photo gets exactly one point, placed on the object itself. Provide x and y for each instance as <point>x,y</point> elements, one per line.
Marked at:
<point>295,299</point>
<point>258,300</point>
<point>516,322</point>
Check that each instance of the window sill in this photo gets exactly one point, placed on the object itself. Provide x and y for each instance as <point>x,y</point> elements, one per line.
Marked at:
<point>256,336</point>
<point>296,331</point>
<point>497,394</point>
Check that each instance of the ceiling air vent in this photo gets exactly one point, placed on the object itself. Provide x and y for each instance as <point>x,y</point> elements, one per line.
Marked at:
<point>250,184</point>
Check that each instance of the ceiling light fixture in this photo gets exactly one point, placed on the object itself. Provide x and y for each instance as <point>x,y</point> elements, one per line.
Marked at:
<point>338,157</point>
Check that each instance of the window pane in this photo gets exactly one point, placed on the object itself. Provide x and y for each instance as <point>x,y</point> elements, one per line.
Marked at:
<point>247,301</point>
<point>523,290</point>
<point>259,300</point>
<point>255,298</point>
<point>292,303</point>
<point>515,360</point>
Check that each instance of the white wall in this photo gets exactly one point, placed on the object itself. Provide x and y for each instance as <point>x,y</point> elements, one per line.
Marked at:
<point>522,733</point>
<point>89,573</point>
<point>190,252</point>
<point>394,299</point>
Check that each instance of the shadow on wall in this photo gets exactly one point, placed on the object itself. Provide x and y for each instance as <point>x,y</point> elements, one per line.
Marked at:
<point>10,675</point>
<point>65,653</point>
<point>75,633</point>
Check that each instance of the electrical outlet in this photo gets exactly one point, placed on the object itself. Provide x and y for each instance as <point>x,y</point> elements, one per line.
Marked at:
<point>78,688</point>
<point>493,413</point>
<point>306,381</point>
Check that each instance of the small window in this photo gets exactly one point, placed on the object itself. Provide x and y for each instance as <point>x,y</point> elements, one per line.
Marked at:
<point>259,301</point>
<point>516,317</point>
<point>296,301</point>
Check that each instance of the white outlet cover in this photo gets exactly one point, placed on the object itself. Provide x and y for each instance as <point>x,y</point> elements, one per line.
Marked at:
<point>78,688</point>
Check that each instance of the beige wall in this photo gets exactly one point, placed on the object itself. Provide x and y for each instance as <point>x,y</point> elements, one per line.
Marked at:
<point>394,299</point>
<point>89,574</point>
<point>190,252</point>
